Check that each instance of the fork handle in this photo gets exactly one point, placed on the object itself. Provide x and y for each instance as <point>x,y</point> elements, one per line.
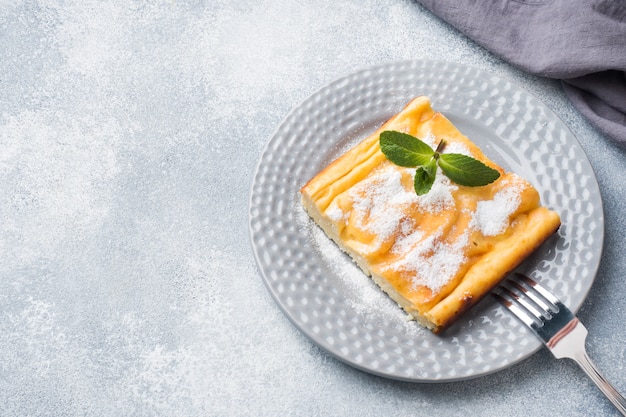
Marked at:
<point>605,386</point>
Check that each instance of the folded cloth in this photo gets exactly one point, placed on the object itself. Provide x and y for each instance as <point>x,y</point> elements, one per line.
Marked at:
<point>580,42</point>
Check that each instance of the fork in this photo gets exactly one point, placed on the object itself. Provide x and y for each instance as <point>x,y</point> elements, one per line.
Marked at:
<point>555,325</point>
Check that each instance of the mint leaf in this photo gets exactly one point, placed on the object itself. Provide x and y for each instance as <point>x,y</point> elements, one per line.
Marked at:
<point>431,167</point>
<point>425,177</point>
<point>405,150</point>
<point>467,171</point>
<point>408,151</point>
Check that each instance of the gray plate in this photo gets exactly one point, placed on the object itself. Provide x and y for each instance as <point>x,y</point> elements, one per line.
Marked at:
<point>339,308</point>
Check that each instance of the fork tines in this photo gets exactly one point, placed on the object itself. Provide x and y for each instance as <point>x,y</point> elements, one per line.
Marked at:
<point>533,304</point>
<point>555,324</point>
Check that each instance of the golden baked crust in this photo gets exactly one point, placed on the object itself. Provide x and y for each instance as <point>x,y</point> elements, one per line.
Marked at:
<point>436,255</point>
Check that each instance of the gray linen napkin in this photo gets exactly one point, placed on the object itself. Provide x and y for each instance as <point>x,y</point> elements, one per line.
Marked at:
<point>580,42</point>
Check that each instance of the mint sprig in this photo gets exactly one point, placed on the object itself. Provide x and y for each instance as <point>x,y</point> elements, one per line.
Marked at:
<point>408,151</point>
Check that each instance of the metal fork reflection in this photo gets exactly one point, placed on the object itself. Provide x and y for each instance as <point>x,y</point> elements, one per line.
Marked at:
<point>555,325</point>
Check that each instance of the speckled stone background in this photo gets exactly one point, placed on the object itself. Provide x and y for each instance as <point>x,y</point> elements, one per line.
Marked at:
<point>129,134</point>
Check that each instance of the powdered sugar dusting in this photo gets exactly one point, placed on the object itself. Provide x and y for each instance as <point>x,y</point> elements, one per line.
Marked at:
<point>380,200</point>
<point>409,237</point>
<point>377,202</point>
<point>381,205</point>
<point>492,216</point>
<point>429,139</point>
<point>363,294</point>
<point>432,261</point>
<point>440,196</point>
<point>457,147</point>
<point>451,147</point>
<point>335,213</point>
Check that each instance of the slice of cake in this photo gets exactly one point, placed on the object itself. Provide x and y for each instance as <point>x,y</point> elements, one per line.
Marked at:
<point>435,254</point>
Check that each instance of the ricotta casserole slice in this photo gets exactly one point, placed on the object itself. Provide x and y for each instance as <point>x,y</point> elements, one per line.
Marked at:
<point>437,254</point>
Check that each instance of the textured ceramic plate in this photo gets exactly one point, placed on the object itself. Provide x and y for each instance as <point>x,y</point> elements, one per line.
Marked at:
<point>339,308</point>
